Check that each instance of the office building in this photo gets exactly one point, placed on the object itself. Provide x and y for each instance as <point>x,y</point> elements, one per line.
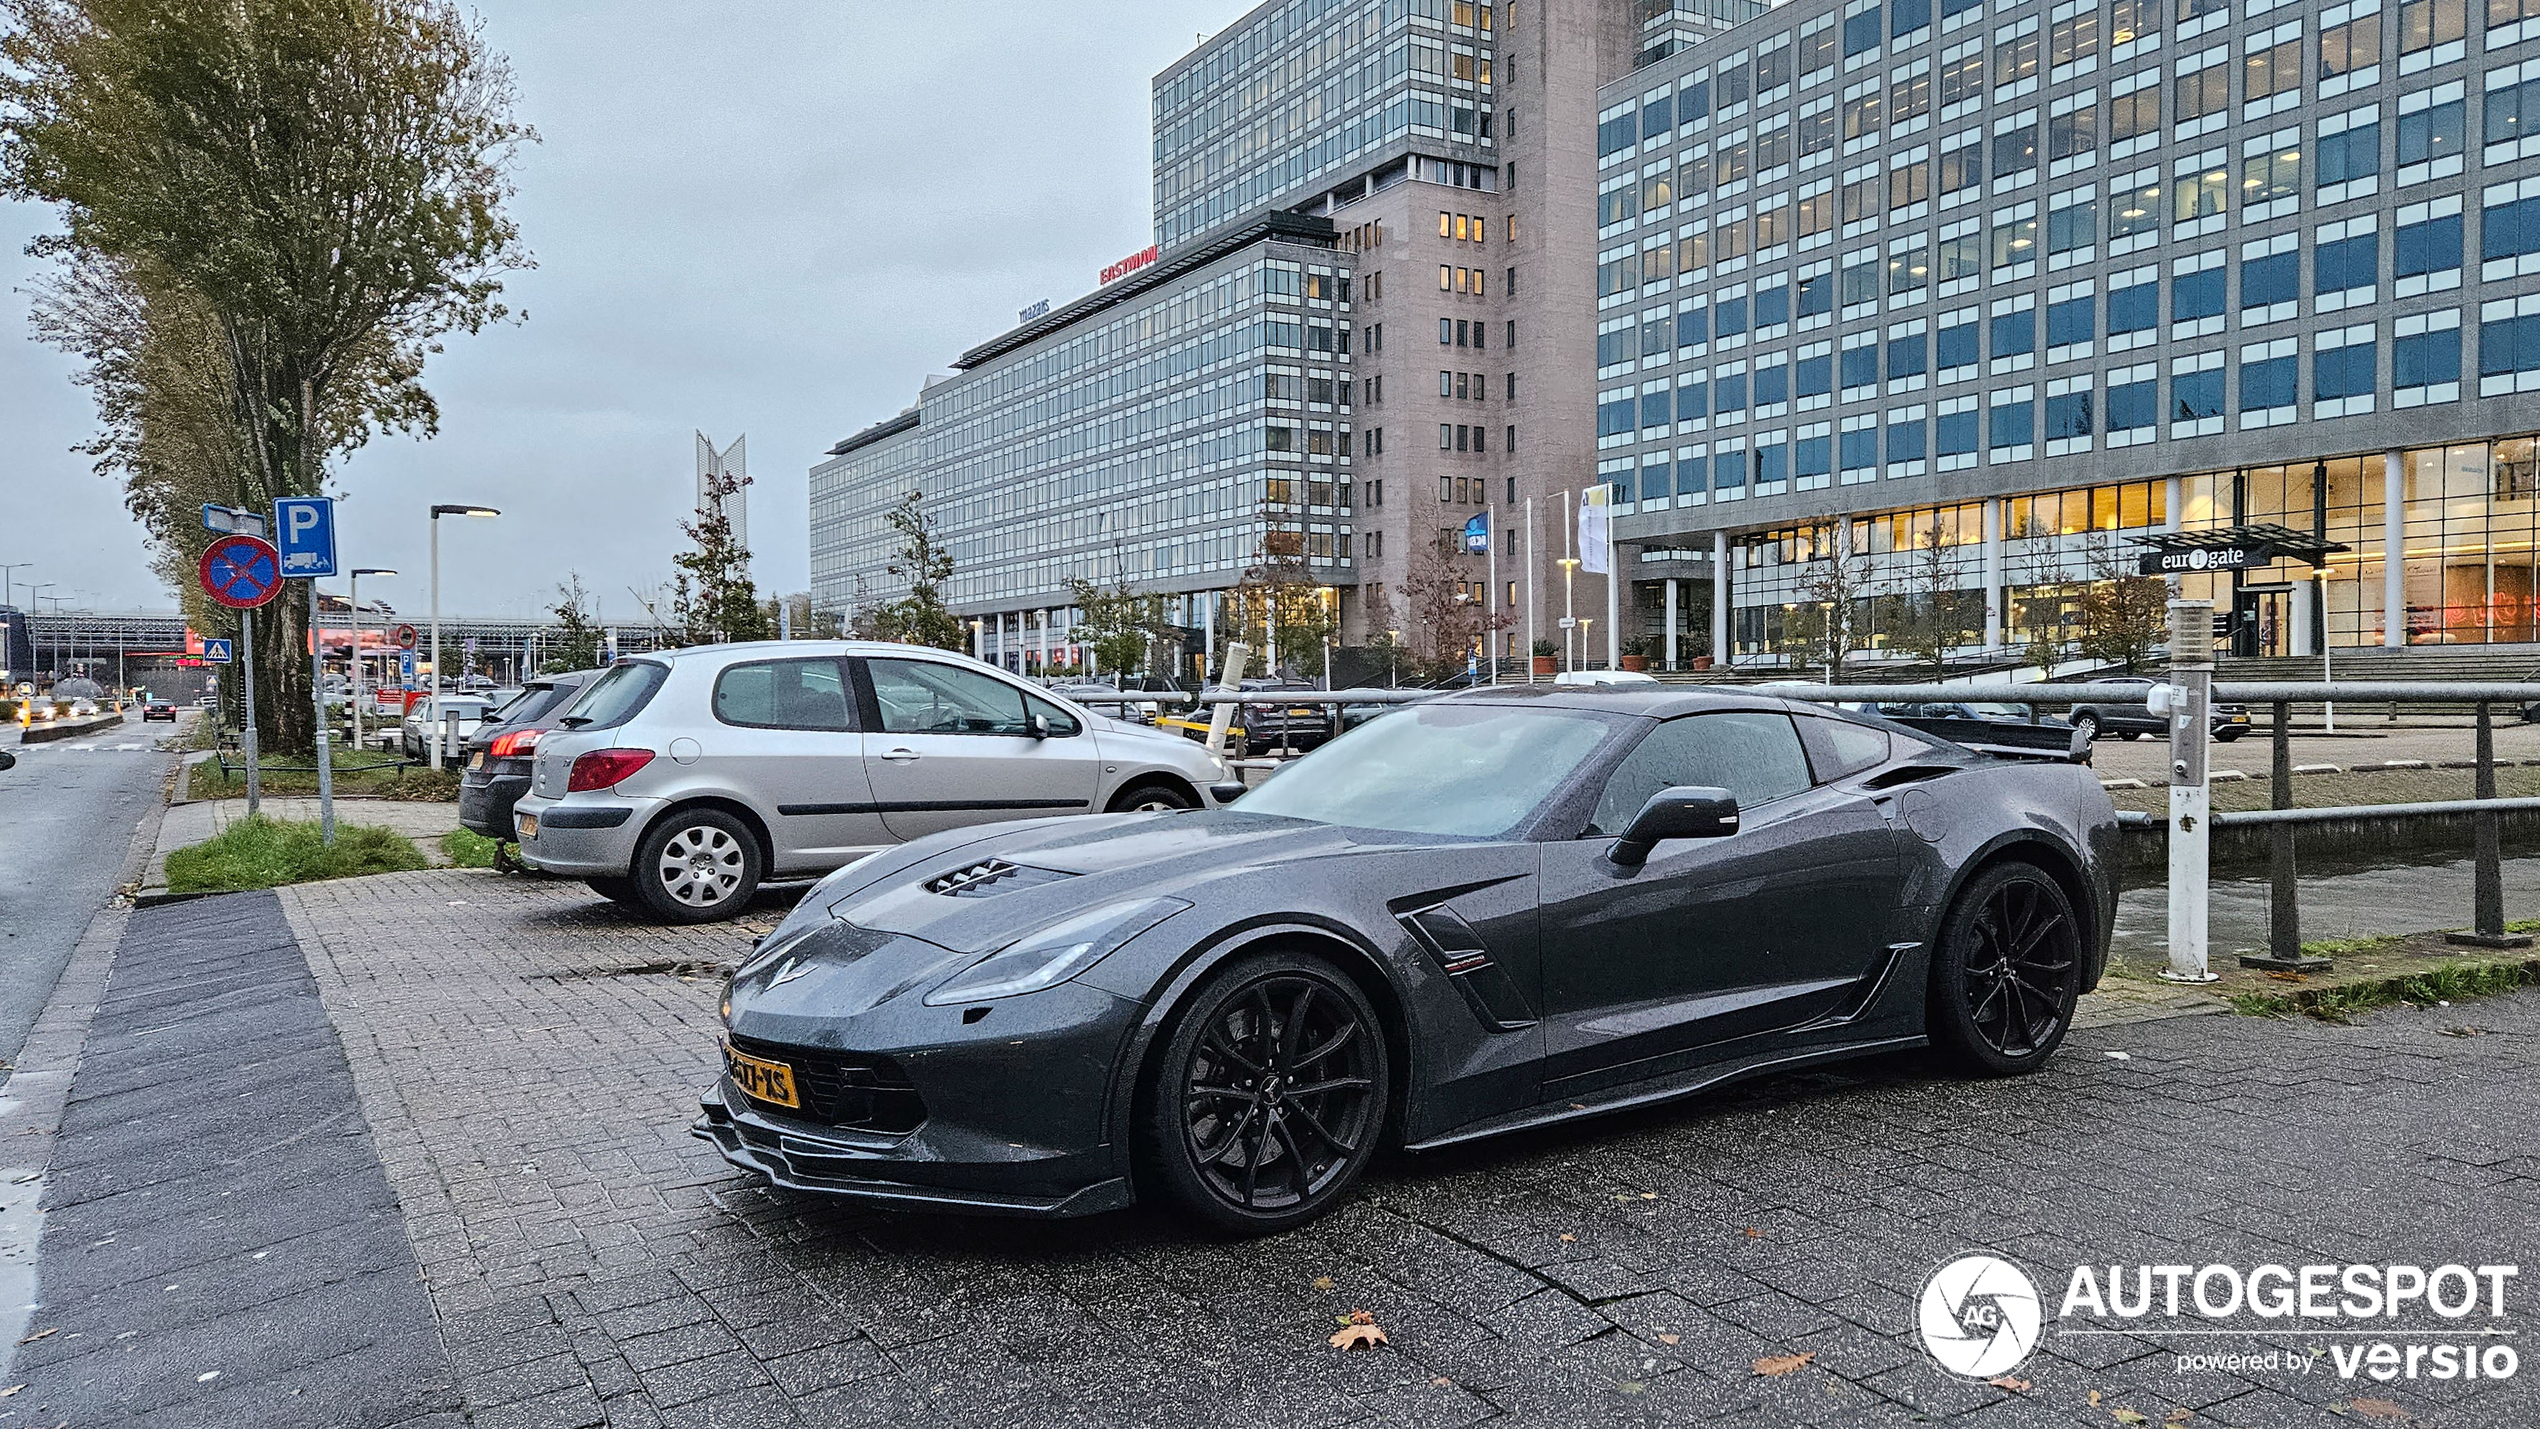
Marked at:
<point>1364,321</point>
<point>1981,293</point>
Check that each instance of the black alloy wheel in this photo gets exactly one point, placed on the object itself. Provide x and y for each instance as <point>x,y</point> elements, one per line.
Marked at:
<point>2007,972</point>
<point>1153,799</point>
<point>1270,1096</point>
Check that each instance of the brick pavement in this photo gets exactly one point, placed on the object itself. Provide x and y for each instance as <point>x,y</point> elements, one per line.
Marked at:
<point>528,1083</point>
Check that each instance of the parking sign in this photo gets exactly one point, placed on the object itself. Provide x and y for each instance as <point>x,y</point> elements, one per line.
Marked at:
<point>304,531</point>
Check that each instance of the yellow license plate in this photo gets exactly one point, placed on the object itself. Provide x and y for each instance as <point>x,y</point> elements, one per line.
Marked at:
<point>529,826</point>
<point>771,1082</point>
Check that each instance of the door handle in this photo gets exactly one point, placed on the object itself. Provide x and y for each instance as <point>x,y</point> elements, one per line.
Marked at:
<point>900,756</point>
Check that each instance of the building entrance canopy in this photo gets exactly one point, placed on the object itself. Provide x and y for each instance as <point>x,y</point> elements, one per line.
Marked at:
<point>2230,548</point>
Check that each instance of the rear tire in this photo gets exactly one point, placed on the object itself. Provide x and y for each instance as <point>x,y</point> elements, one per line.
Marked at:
<point>1224,1130</point>
<point>697,866</point>
<point>2088,724</point>
<point>2006,973</point>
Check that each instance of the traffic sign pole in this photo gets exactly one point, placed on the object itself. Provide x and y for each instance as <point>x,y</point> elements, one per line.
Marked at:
<point>317,694</point>
<point>247,682</point>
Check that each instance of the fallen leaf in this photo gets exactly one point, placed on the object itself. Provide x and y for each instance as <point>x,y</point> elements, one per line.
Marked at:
<point>2016,1386</point>
<point>1754,1233</point>
<point>1323,1282</point>
<point>2130,1416</point>
<point>2094,1399</point>
<point>2377,1409</point>
<point>1649,1195</point>
<point>1565,1235</point>
<point>12,1389</point>
<point>1671,1339</point>
<point>1774,1366</point>
<point>1358,1331</point>
<point>2179,1415</point>
<point>1442,1382</point>
<point>1631,1386</point>
<point>41,1335</point>
<point>2120,1056</point>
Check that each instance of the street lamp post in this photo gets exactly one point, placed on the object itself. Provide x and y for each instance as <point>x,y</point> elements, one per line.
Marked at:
<point>432,700</point>
<point>355,600</point>
<point>36,596</point>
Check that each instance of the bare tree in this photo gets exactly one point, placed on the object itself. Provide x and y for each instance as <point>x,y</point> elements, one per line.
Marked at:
<point>1825,626</point>
<point>1935,614</point>
<point>2124,613</point>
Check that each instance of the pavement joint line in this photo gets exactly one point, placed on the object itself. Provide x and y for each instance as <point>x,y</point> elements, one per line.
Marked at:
<point>32,1097</point>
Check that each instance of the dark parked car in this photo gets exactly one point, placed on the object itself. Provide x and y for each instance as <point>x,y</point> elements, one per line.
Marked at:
<point>159,709</point>
<point>1485,912</point>
<point>495,761</point>
<point>1275,726</point>
<point>2135,717</point>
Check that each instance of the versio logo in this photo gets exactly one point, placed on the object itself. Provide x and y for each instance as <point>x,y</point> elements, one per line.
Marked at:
<point>1979,1316</point>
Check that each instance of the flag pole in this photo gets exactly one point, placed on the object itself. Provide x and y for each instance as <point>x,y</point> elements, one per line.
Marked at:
<point>1490,591</point>
<point>1531,545</point>
<point>1613,586</point>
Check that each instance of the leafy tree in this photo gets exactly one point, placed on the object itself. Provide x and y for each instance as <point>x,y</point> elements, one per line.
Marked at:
<point>2124,613</point>
<point>316,190</point>
<point>1122,626</point>
<point>577,639</point>
<point>713,600</point>
<point>920,617</point>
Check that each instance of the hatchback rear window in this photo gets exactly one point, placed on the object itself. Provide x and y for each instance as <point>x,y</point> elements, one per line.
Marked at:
<point>617,696</point>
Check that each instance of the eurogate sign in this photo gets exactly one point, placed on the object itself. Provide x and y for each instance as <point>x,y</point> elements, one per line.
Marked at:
<point>2206,558</point>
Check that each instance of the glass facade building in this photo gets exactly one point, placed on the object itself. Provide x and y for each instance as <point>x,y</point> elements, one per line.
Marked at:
<point>1947,263</point>
<point>1168,430</point>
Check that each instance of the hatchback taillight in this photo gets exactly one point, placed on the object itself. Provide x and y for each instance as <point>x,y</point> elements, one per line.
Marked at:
<point>602,768</point>
<point>514,744</point>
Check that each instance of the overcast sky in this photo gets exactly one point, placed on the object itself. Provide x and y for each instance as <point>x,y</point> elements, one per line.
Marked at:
<point>762,218</point>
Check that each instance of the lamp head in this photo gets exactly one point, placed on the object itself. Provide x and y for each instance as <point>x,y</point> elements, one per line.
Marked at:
<point>460,510</point>
<point>372,571</point>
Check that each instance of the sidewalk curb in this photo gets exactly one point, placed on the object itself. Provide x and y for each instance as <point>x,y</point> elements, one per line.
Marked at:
<point>31,1100</point>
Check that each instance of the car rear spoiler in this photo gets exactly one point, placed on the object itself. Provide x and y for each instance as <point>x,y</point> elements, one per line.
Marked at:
<point>2009,738</point>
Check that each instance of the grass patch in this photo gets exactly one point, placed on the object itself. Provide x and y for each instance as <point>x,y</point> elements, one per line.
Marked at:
<point>2444,982</point>
<point>355,774</point>
<point>2348,947</point>
<point>466,848</point>
<point>265,853</point>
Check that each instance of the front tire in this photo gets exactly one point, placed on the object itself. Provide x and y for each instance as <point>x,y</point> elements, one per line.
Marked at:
<point>2088,724</point>
<point>697,866</point>
<point>1269,1097</point>
<point>1152,799</point>
<point>2007,972</point>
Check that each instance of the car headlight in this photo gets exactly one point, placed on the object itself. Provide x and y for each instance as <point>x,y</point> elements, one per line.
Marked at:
<point>1054,953</point>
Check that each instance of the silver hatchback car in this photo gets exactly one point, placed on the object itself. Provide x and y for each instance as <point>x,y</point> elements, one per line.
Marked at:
<point>679,780</point>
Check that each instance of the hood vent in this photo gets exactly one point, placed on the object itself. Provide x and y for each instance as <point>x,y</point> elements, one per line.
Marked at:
<point>993,876</point>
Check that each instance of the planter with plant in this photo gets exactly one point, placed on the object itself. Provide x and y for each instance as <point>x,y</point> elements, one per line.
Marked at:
<point>1546,654</point>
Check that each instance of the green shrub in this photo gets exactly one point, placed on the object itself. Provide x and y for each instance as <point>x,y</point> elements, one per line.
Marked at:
<point>466,848</point>
<point>263,853</point>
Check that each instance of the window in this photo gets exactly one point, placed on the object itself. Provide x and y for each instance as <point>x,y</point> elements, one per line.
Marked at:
<point>2072,132</point>
<point>2271,175</point>
<point>2425,358</point>
<point>1908,431</point>
<point>2071,318</point>
<point>1861,32</point>
<point>2345,370</point>
<point>1756,757</point>
<point>1961,78</point>
<point>2134,306</point>
<point>1909,96</point>
<point>2011,425</point>
<point>1961,256</point>
<point>2199,192</point>
<point>2345,263</point>
<point>1813,373</point>
<point>2270,279</point>
<point>1816,293</point>
<point>2013,339</point>
<point>783,694</point>
<point>2068,421</point>
<point>2509,230</point>
<point>2511,111</point>
<point>2074,39</point>
<point>2073,224</point>
<point>2015,236</point>
<point>2350,49</point>
<point>2135,217</point>
<point>2015,145</point>
<point>2431,32</point>
<point>2431,132</point>
<point>2271,69</point>
<point>1962,163</point>
<point>2134,405</point>
<point>1860,366</point>
<point>2268,383</point>
<point>2130,22</point>
<point>2426,247</point>
<point>1908,269</point>
<point>2196,290</point>
<point>1904,17</point>
<point>1957,345</point>
<point>2134,111</point>
<point>1954,433</point>
<point>923,697</point>
<point>2202,90</point>
<point>1908,353</point>
<point>2509,346</point>
<point>2196,395</point>
<point>2349,154</point>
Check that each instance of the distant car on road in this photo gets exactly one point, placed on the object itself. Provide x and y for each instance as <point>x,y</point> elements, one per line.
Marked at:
<point>1277,726</point>
<point>159,709</point>
<point>677,781</point>
<point>2135,717</point>
<point>494,772</point>
<point>420,729</point>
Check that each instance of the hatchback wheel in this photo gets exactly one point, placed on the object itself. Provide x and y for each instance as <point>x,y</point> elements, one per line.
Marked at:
<point>1152,799</point>
<point>2088,724</point>
<point>2007,972</point>
<point>696,866</point>
<point>1270,1096</point>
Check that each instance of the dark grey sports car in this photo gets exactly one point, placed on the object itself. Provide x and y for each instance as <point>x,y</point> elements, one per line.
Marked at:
<point>1490,911</point>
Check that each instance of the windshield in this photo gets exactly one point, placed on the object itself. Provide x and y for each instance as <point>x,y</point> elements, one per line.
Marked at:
<point>616,696</point>
<point>1471,771</point>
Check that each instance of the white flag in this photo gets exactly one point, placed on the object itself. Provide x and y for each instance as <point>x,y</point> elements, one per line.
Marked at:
<point>1593,535</point>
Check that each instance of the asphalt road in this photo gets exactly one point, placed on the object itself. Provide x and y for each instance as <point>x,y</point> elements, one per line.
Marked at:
<point>66,818</point>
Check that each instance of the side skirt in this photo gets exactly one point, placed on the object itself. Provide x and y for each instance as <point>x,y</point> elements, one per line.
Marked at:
<point>1656,1090</point>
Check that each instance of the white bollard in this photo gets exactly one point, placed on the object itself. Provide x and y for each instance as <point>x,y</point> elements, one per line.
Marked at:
<point>2190,701</point>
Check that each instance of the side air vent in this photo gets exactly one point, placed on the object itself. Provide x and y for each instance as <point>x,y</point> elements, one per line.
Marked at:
<point>993,876</point>
<point>1461,954</point>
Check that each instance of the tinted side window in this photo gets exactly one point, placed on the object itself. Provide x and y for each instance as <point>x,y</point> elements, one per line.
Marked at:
<point>618,695</point>
<point>923,697</point>
<point>783,694</point>
<point>1754,756</point>
<point>1840,747</point>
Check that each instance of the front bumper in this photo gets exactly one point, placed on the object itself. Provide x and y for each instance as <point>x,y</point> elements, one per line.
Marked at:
<point>584,840</point>
<point>800,1158</point>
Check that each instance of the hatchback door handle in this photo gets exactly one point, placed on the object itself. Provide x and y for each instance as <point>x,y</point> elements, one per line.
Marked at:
<point>900,756</point>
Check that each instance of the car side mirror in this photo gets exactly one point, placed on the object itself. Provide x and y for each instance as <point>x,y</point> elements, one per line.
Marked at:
<point>1040,726</point>
<point>1684,812</point>
<point>1226,791</point>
